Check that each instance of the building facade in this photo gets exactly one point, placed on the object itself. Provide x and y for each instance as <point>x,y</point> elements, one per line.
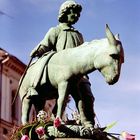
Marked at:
<point>11,70</point>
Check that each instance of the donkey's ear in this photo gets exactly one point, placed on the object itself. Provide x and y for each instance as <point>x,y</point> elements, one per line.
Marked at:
<point>110,36</point>
<point>117,36</point>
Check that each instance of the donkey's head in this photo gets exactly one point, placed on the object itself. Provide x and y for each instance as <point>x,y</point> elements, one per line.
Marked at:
<point>110,59</point>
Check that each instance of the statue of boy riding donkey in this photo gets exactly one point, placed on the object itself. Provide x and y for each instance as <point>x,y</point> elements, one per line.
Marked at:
<point>64,61</point>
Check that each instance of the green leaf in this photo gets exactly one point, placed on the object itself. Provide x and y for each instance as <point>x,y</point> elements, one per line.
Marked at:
<point>32,130</point>
<point>25,129</point>
<point>108,127</point>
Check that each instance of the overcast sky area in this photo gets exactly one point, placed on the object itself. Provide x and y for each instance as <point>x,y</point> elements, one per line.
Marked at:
<point>23,24</point>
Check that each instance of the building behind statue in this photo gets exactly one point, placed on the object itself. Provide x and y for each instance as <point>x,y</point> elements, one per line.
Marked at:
<point>11,69</point>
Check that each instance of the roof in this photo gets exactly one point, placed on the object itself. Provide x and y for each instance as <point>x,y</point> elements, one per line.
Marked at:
<point>4,55</point>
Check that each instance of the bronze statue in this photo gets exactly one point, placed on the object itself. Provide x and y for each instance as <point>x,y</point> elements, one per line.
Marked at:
<point>63,64</point>
<point>62,37</point>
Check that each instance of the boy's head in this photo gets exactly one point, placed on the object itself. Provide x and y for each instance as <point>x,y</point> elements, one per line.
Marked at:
<point>67,8</point>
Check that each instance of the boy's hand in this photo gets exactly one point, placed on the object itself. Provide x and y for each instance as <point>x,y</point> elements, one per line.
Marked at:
<point>33,53</point>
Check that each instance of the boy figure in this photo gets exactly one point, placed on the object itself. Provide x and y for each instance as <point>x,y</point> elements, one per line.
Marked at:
<point>65,36</point>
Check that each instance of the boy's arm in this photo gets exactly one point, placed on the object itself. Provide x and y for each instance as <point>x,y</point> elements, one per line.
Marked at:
<point>47,44</point>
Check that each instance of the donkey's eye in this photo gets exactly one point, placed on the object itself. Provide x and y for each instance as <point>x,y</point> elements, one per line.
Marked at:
<point>114,56</point>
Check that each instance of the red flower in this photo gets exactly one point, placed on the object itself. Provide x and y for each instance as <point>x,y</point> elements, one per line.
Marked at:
<point>40,131</point>
<point>128,136</point>
<point>25,137</point>
<point>57,122</point>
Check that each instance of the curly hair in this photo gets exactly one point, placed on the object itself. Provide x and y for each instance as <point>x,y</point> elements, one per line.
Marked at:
<point>64,10</point>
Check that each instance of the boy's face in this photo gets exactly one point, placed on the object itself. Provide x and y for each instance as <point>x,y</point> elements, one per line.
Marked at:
<point>72,16</point>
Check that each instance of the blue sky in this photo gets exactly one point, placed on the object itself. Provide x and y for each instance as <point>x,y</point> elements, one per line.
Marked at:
<point>24,23</point>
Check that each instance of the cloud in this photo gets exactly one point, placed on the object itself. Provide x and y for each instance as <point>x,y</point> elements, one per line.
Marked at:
<point>5,5</point>
<point>2,13</point>
<point>5,14</point>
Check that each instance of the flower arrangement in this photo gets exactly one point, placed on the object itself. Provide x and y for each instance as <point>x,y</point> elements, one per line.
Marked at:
<point>25,137</point>
<point>36,130</point>
<point>39,130</point>
<point>57,122</point>
<point>76,116</point>
<point>127,136</point>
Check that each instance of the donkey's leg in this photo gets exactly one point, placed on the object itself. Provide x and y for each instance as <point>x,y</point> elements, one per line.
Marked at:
<point>88,101</point>
<point>26,107</point>
<point>79,104</point>
<point>62,94</point>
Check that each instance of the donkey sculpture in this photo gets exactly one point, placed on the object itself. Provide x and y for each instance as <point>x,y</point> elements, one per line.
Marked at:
<point>66,67</point>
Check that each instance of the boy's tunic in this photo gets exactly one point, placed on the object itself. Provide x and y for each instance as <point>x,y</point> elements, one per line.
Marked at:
<point>61,37</point>
<point>57,38</point>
